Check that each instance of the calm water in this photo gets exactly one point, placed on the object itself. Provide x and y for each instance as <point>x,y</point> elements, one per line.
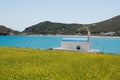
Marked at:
<point>104,44</point>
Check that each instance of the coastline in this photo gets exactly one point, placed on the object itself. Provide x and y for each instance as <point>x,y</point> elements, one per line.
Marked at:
<point>107,36</point>
<point>76,36</point>
<point>69,36</point>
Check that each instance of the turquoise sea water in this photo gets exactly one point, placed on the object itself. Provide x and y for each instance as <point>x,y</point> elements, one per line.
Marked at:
<point>104,44</point>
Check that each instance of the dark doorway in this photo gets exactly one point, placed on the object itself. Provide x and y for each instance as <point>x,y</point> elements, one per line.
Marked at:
<point>78,47</point>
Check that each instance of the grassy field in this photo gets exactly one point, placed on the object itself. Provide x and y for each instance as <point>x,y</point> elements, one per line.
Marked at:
<point>33,64</point>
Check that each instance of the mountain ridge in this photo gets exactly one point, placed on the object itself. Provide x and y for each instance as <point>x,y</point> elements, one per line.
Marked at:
<point>7,31</point>
<point>106,27</point>
<point>110,25</point>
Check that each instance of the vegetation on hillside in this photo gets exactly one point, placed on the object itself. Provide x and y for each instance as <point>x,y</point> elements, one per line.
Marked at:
<point>111,25</point>
<point>107,27</point>
<point>7,31</point>
<point>51,28</point>
<point>33,64</point>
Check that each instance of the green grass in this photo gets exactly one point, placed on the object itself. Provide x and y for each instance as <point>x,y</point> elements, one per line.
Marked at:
<point>33,64</point>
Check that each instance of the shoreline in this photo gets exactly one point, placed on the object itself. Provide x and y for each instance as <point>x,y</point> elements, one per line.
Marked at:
<point>76,36</point>
<point>68,35</point>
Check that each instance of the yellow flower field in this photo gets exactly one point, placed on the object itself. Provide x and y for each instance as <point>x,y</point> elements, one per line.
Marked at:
<point>33,64</point>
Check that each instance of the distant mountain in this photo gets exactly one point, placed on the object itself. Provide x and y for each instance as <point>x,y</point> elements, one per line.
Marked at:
<point>107,27</point>
<point>7,31</point>
<point>110,25</point>
<point>50,28</point>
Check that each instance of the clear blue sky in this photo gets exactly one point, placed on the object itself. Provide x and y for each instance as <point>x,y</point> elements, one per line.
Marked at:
<point>19,14</point>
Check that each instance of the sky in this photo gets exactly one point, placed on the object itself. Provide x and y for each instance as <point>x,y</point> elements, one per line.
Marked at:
<point>20,14</point>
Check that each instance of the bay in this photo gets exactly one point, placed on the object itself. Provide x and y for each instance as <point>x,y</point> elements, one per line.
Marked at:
<point>104,44</point>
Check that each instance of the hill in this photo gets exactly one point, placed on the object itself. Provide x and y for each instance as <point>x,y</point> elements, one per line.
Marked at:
<point>33,64</point>
<point>7,31</point>
<point>110,27</point>
<point>51,28</point>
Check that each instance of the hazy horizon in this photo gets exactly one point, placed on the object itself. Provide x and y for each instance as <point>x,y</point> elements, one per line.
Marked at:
<point>20,14</point>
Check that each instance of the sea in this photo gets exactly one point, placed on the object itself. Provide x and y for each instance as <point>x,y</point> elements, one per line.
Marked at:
<point>103,44</point>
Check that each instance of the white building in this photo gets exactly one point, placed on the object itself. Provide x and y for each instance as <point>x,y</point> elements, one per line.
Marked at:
<point>76,44</point>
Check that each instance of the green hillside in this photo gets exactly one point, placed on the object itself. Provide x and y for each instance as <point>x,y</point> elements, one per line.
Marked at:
<point>7,31</point>
<point>111,25</point>
<point>33,64</point>
<point>107,27</point>
<point>51,28</point>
